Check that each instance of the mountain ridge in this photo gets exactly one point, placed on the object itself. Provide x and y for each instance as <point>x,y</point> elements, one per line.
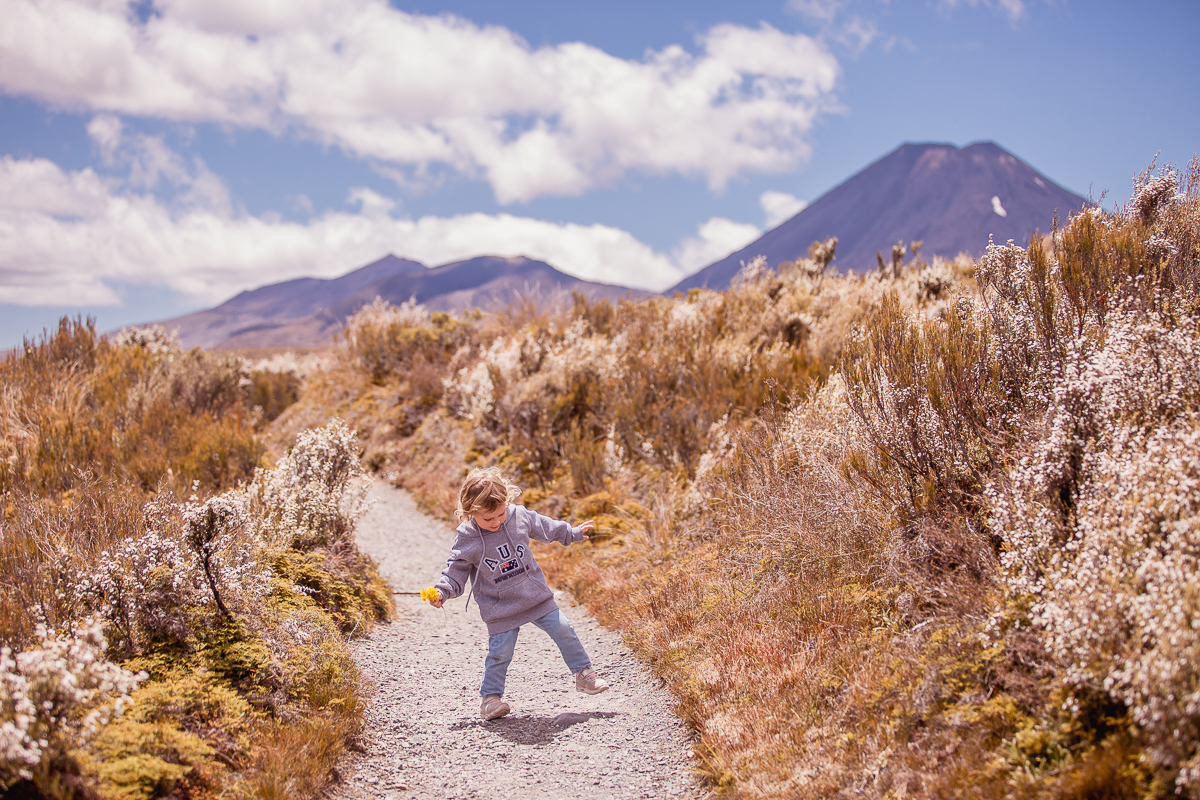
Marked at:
<point>307,312</point>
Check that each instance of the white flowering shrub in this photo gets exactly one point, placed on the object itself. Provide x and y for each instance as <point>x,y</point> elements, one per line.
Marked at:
<point>381,314</point>
<point>142,589</point>
<point>56,695</point>
<point>156,586</point>
<point>153,338</point>
<point>1152,193</point>
<point>688,318</point>
<point>223,555</point>
<point>1029,322</point>
<point>753,271</point>
<point>470,393</point>
<point>934,281</point>
<point>315,492</point>
<point>1103,526</point>
<point>300,365</point>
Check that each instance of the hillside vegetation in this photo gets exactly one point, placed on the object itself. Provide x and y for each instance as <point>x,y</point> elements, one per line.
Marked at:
<point>173,610</point>
<point>924,532</point>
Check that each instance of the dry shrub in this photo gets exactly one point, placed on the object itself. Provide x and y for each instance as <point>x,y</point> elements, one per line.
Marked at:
<point>136,408</point>
<point>776,601</point>
<point>297,759</point>
<point>1054,418</point>
<point>387,339</point>
<point>45,542</point>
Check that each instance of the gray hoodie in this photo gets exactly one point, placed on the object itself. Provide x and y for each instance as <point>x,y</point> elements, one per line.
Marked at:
<point>506,581</point>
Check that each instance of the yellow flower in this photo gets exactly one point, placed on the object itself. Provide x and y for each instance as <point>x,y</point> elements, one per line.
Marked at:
<point>429,594</point>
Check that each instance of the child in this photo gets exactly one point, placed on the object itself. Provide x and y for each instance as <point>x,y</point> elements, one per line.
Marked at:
<point>492,550</point>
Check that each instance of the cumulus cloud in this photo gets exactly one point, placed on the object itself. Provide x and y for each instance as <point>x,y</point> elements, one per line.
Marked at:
<point>413,92</point>
<point>715,239</point>
<point>106,131</point>
<point>70,237</point>
<point>780,206</point>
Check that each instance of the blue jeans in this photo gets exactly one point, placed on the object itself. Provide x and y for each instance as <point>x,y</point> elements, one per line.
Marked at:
<point>501,645</point>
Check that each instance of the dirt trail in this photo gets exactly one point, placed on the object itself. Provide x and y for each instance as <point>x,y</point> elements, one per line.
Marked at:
<point>424,738</point>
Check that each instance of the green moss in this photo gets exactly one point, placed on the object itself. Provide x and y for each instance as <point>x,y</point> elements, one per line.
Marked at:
<point>321,673</point>
<point>352,593</point>
<point>237,657</point>
<point>162,659</point>
<point>198,701</point>
<point>142,760</point>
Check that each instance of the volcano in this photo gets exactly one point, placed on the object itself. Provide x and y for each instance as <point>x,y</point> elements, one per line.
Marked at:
<point>950,198</point>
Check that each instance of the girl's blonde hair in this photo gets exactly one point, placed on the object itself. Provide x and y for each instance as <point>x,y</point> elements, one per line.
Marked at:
<point>484,489</point>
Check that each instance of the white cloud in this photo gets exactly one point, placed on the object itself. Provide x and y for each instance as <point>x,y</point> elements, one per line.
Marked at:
<point>1013,9</point>
<point>715,239</point>
<point>780,207</point>
<point>151,164</point>
<point>857,33</point>
<point>371,204</point>
<point>417,91</point>
<point>839,23</point>
<point>70,237</point>
<point>106,131</point>
<point>817,10</point>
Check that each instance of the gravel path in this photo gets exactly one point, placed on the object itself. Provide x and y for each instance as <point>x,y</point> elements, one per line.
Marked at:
<point>424,738</point>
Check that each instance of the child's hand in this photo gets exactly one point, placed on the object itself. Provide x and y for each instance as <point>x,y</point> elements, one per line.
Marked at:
<point>589,525</point>
<point>432,596</point>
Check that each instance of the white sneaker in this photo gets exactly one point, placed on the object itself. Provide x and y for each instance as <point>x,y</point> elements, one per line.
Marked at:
<point>493,707</point>
<point>588,682</point>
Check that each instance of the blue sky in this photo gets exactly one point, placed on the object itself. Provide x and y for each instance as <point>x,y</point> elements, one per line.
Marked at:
<point>160,156</point>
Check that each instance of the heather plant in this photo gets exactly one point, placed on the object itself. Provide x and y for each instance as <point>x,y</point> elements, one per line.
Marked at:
<point>155,589</point>
<point>314,493</point>
<point>54,697</point>
<point>1055,414</point>
<point>143,588</point>
<point>228,563</point>
<point>1101,521</point>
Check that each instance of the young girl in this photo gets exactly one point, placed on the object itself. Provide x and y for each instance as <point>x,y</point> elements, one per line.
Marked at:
<point>492,550</point>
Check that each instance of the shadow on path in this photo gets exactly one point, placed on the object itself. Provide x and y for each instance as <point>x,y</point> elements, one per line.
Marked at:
<point>533,730</point>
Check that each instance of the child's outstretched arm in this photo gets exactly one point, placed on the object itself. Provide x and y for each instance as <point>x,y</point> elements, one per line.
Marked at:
<point>556,530</point>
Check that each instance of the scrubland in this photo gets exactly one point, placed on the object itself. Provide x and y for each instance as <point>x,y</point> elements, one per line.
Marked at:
<point>926,532</point>
<point>174,607</point>
<point>921,533</point>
